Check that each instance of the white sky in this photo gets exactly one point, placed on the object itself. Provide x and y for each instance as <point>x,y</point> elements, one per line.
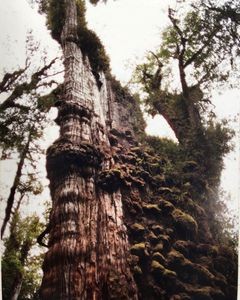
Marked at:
<point>128,28</point>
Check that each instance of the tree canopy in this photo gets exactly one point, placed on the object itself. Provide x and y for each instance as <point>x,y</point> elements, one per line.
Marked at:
<point>198,50</point>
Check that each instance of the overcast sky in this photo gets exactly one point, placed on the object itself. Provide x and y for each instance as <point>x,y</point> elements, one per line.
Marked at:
<point>128,28</point>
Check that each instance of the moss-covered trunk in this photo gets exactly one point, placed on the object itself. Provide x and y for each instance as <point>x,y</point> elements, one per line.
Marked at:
<point>87,256</point>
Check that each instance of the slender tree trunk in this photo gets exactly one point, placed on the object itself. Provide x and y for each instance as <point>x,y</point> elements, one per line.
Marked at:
<point>23,251</point>
<point>11,197</point>
<point>16,287</point>
<point>88,246</point>
<point>193,113</point>
<point>18,280</point>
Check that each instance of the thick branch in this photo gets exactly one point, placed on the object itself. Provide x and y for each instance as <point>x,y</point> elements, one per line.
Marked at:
<point>25,88</point>
<point>180,52</point>
<point>200,50</point>
<point>9,79</point>
<point>42,236</point>
<point>227,13</point>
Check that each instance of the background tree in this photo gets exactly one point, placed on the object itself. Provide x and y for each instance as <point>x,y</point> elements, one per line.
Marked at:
<point>23,117</point>
<point>24,106</point>
<point>20,268</point>
<point>199,50</point>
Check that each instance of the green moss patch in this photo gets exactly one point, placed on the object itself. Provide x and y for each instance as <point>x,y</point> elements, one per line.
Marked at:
<point>185,223</point>
<point>160,272</point>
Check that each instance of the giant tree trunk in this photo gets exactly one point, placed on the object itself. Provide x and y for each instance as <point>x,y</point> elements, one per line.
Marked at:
<point>88,246</point>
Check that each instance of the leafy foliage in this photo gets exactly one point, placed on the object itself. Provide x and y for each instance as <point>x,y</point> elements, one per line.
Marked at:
<point>56,17</point>
<point>202,41</point>
<point>22,120</point>
<point>20,110</point>
<point>219,137</point>
<point>165,147</point>
<point>206,37</point>
<point>23,233</point>
<point>199,50</point>
<point>90,43</point>
<point>91,46</point>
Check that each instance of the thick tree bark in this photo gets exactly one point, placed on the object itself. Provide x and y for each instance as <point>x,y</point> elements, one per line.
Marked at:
<point>88,245</point>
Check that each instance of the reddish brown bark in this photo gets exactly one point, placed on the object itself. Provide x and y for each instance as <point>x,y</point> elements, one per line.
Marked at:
<point>88,245</point>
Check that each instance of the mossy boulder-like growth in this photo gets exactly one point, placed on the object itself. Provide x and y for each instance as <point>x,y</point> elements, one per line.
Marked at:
<point>157,229</point>
<point>160,272</point>
<point>159,247</point>
<point>181,296</point>
<point>190,166</point>
<point>166,206</point>
<point>168,274</point>
<point>185,223</point>
<point>157,256</point>
<point>157,268</point>
<point>137,271</point>
<point>139,249</point>
<point>152,209</point>
<point>185,247</point>
<point>138,228</point>
<point>176,258</point>
<point>152,238</point>
<point>110,180</point>
<point>190,272</point>
<point>207,250</point>
<point>165,239</point>
<point>165,190</point>
<point>206,293</point>
<point>223,265</point>
<point>203,274</point>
